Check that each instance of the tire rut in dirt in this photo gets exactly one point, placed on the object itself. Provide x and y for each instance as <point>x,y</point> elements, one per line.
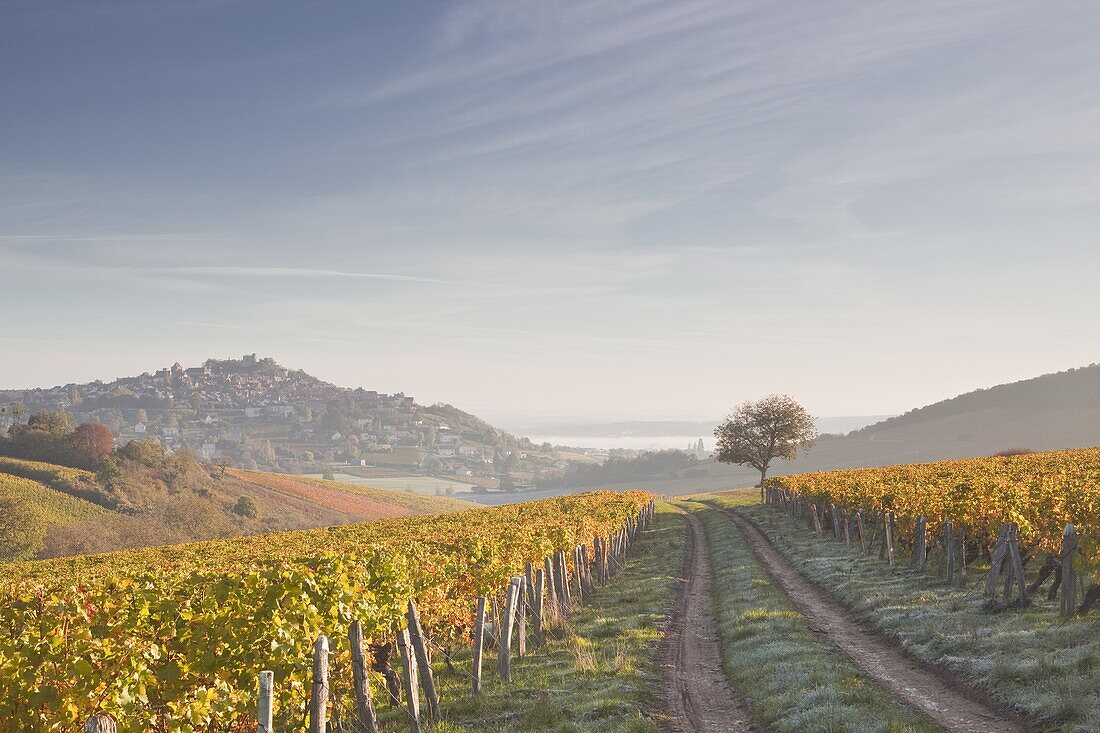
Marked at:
<point>919,686</point>
<point>697,695</point>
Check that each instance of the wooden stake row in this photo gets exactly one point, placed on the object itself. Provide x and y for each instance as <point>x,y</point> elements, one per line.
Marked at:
<point>543,593</point>
<point>1005,578</point>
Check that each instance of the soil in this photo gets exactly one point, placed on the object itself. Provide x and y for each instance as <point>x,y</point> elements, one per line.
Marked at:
<point>922,687</point>
<point>697,695</point>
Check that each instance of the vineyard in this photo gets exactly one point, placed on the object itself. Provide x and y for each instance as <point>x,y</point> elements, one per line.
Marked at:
<point>171,638</point>
<point>29,509</point>
<point>73,481</point>
<point>1040,492</point>
<point>351,498</point>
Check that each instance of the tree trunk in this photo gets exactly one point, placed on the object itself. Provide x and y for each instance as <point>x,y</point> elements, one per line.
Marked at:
<point>763,475</point>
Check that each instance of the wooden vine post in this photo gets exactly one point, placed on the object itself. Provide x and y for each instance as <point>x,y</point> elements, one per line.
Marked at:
<point>553,612</point>
<point>578,573</point>
<point>960,540</point>
<point>100,724</point>
<point>1017,565</point>
<point>862,531</point>
<point>504,641</point>
<point>949,551</point>
<point>529,584</point>
<point>1068,598</point>
<point>364,708</point>
<point>589,586</point>
<point>423,662</point>
<point>920,544</point>
<point>409,680</point>
<point>318,699</point>
<point>521,618</point>
<point>478,644</point>
<point>888,537</point>
<point>996,563</point>
<point>537,608</point>
<point>265,705</point>
<point>562,576</point>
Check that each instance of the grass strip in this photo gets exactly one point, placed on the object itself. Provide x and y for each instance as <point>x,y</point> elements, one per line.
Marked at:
<point>598,674</point>
<point>794,680</point>
<point>1029,658</point>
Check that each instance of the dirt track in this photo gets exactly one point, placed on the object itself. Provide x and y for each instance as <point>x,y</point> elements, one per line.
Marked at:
<point>695,689</point>
<point>917,685</point>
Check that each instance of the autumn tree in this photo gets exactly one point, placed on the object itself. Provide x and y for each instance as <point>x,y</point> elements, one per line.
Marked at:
<point>53,423</point>
<point>18,411</point>
<point>756,433</point>
<point>89,444</point>
<point>223,463</point>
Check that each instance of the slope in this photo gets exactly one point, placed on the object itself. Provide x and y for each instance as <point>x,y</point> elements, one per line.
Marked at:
<point>359,502</point>
<point>1051,412</point>
<point>30,510</point>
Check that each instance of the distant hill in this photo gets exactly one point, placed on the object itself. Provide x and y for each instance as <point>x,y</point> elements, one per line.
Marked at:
<point>45,516</point>
<point>255,414</point>
<point>1050,412</point>
<point>1060,410</point>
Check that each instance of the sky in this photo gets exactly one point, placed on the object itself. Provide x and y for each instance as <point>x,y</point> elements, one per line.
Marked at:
<point>555,211</point>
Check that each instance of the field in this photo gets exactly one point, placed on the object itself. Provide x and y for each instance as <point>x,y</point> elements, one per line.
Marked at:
<point>361,498</point>
<point>72,481</point>
<point>767,624</point>
<point>171,638</point>
<point>38,508</point>
<point>430,485</point>
<point>598,672</point>
<point>1028,659</point>
<point>53,507</point>
<point>1041,492</point>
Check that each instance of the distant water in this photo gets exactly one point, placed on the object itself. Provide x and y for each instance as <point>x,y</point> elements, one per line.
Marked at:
<point>659,434</point>
<point>637,442</point>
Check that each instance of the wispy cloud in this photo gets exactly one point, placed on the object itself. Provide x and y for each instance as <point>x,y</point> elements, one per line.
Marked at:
<point>595,197</point>
<point>283,272</point>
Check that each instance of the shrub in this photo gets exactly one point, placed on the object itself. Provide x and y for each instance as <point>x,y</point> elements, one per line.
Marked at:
<point>1009,452</point>
<point>246,507</point>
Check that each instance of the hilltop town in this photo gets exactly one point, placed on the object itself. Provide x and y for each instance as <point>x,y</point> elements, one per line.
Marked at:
<point>253,413</point>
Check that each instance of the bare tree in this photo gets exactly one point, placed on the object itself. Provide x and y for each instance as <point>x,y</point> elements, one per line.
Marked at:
<point>756,433</point>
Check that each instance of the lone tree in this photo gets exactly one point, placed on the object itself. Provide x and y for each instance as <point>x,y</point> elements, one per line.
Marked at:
<point>756,433</point>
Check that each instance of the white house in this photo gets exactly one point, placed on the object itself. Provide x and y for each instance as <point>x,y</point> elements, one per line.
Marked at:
<point>139,429</point>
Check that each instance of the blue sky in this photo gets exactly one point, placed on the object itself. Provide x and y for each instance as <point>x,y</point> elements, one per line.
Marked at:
<point>555,210</point>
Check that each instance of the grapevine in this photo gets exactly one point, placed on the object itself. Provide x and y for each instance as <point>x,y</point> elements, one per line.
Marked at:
<point>171,639</point>
<point>1041,492</point>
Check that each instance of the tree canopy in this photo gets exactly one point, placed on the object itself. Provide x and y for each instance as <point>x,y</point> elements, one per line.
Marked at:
<point>756,433</point>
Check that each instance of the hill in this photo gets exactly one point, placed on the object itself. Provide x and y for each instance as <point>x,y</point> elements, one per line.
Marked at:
<point>150,500</point>
<point>1051,412</point>
<point>29,509</point>
<point>255,414</point>
<point>362,502</point>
